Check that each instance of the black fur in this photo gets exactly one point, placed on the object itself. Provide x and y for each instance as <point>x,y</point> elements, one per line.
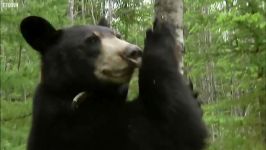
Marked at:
<point>172,112</point>
<point>165,116</point>
<point>103,22</point>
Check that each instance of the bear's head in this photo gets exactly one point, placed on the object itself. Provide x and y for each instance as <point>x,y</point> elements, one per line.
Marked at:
<point>80,57</point>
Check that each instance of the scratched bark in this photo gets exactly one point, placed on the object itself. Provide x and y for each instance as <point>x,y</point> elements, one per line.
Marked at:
<point>172,12</point>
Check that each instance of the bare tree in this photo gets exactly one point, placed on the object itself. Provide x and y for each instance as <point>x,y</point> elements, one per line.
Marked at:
<point>110,12</point>
<point>172,12</point>
<point>71,10</point>
<point>92,12</point>
<point>83,9</point>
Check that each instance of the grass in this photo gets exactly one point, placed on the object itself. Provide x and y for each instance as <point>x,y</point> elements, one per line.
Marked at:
<point>15,124</point>
<point>233,132</point>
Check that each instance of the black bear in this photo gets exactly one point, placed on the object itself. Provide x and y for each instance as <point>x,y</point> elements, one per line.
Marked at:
<point>92,59</point>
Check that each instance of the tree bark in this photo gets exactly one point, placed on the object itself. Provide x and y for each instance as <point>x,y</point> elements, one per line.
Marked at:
<point>92,12</point>
<point>110,12</point>
<point>172,11</point>
<point>71,10</point>
<point>83,10</point>
<point>19,56</point>
<point>103,12</point>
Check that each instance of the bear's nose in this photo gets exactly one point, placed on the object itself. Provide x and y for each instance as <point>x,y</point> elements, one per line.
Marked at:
<point>133,52</point>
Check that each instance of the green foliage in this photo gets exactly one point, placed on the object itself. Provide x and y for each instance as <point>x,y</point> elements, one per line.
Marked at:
<point>226,51</point>
<point>15,124</point>
<point>231,130</point>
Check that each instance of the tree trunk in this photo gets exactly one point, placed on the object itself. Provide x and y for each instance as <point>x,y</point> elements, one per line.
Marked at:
<point>19,56</point>
<point>110,12</point>
<point>103,13</point>
<point>71,10</point>
<point>83,10</point>
<point>92,12</point>
<point>172,12</point>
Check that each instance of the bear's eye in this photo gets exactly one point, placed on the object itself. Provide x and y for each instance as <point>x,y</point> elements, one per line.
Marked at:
<point>92,39</point>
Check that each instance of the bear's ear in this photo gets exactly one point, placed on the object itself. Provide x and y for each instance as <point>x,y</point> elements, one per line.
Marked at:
<point>103,22</point>
<point>38,32</point>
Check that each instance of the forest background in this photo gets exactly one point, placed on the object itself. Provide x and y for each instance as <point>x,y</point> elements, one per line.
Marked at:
<point>225,57</point>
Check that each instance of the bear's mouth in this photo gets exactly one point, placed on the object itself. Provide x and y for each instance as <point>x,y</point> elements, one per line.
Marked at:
<point>119,73</point>
<point>135,62</point>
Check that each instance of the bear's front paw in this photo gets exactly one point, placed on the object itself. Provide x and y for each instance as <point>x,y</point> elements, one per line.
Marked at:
<point>149,33</point>
<point>163,28</point>
<point>162,32</point>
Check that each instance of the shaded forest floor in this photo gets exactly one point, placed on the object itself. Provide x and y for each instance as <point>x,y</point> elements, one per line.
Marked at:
<point>227,132</point>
